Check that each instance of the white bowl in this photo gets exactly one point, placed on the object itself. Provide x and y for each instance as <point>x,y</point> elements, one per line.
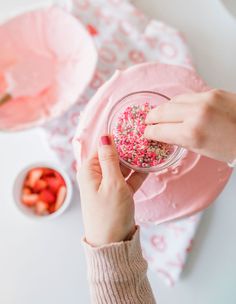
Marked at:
<point>18,185</point>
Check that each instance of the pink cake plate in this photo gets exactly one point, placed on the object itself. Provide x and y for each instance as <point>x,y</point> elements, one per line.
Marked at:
<point>47,58</point>
<point>194,183</point>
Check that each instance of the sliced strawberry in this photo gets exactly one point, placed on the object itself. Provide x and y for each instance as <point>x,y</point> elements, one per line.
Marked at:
<point>47,196</point>
<point>48,172</point>
<point>29,199</point>
<point>33,176</point>
<point>54,183</point>
<point>51,208</point>
<point>60,178</point>
<point>40,185</point>
<point>41,208</point>
<point>26,190</point>
<point>60,197</point>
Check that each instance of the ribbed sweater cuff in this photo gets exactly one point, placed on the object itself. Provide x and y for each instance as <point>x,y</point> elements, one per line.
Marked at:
<point>117,273</point>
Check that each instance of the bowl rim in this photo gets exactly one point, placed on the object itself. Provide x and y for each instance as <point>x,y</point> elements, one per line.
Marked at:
<point>18,185</point>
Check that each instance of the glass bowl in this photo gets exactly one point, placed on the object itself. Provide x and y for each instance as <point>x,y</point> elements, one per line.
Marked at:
<point>154,99</point>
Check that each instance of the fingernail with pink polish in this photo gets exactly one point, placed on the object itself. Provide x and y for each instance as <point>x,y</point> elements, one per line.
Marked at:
<point>105,140</point>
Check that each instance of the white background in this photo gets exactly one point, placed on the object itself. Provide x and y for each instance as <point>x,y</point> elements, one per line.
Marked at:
<point>43,263</point>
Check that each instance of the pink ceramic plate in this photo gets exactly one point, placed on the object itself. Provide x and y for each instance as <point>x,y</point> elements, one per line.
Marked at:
<point>47,58</point>
<point>194,183</point>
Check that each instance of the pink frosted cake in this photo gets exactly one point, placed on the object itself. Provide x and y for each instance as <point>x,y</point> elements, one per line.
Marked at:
<point>194,182</point>
<point>47,58</point>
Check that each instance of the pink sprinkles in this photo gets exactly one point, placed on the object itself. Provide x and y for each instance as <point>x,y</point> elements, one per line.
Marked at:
<point>131,145</point>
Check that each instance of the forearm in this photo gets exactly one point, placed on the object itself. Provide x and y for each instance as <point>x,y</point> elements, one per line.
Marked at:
<point>117,273</point>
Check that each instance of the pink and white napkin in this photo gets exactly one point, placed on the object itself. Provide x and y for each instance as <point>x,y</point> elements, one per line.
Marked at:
<point>124,36</point>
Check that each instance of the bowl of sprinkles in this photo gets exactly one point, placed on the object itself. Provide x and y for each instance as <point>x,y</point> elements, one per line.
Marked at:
<point>126,123</point>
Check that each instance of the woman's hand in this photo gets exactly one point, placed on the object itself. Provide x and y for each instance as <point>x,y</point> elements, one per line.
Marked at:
<point>204,123</point>
<point>107,196</point>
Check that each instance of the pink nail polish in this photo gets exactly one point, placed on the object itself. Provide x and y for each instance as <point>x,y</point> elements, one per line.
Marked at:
<point>105,140</point>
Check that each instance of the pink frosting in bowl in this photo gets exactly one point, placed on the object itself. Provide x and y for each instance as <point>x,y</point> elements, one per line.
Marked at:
<point>47,58</point>
<point>181,190</point>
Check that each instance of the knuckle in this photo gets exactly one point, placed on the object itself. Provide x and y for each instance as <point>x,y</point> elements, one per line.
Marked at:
<point>161,111</point>
<point>204,112</point>
<point>148,131</point>
<point>195,136</point>
<point>115,186</point>
<point>108,157</point>
<point>214,95</point>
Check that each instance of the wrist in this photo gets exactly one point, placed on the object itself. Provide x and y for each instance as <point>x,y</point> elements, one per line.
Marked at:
<point>130,234</point>
<point>111,239</point>
<point>114,258</point>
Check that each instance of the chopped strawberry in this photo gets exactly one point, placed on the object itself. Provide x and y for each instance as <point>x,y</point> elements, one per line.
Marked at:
<point>54,183</point>
<point>29,199</point>
<point>60,178</point>
<point>48,172</point>
<point>51,208</point>
<point>41,208</point>
<point>33,176</point>
<point>60,197</point>
<point>40,185</point>
<point>26,190</point>
<point>47,196</point>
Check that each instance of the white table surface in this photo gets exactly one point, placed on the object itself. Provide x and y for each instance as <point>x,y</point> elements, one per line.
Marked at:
<point>44,262</point>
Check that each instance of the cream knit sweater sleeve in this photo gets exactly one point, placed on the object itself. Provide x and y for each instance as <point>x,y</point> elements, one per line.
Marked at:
<point>117,273</point>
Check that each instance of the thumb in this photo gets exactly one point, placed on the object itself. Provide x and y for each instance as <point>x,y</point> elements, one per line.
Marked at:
<point>108,158</point>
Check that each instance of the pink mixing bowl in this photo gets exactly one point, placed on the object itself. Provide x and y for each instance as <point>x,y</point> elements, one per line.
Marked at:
<point>47,58</point>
